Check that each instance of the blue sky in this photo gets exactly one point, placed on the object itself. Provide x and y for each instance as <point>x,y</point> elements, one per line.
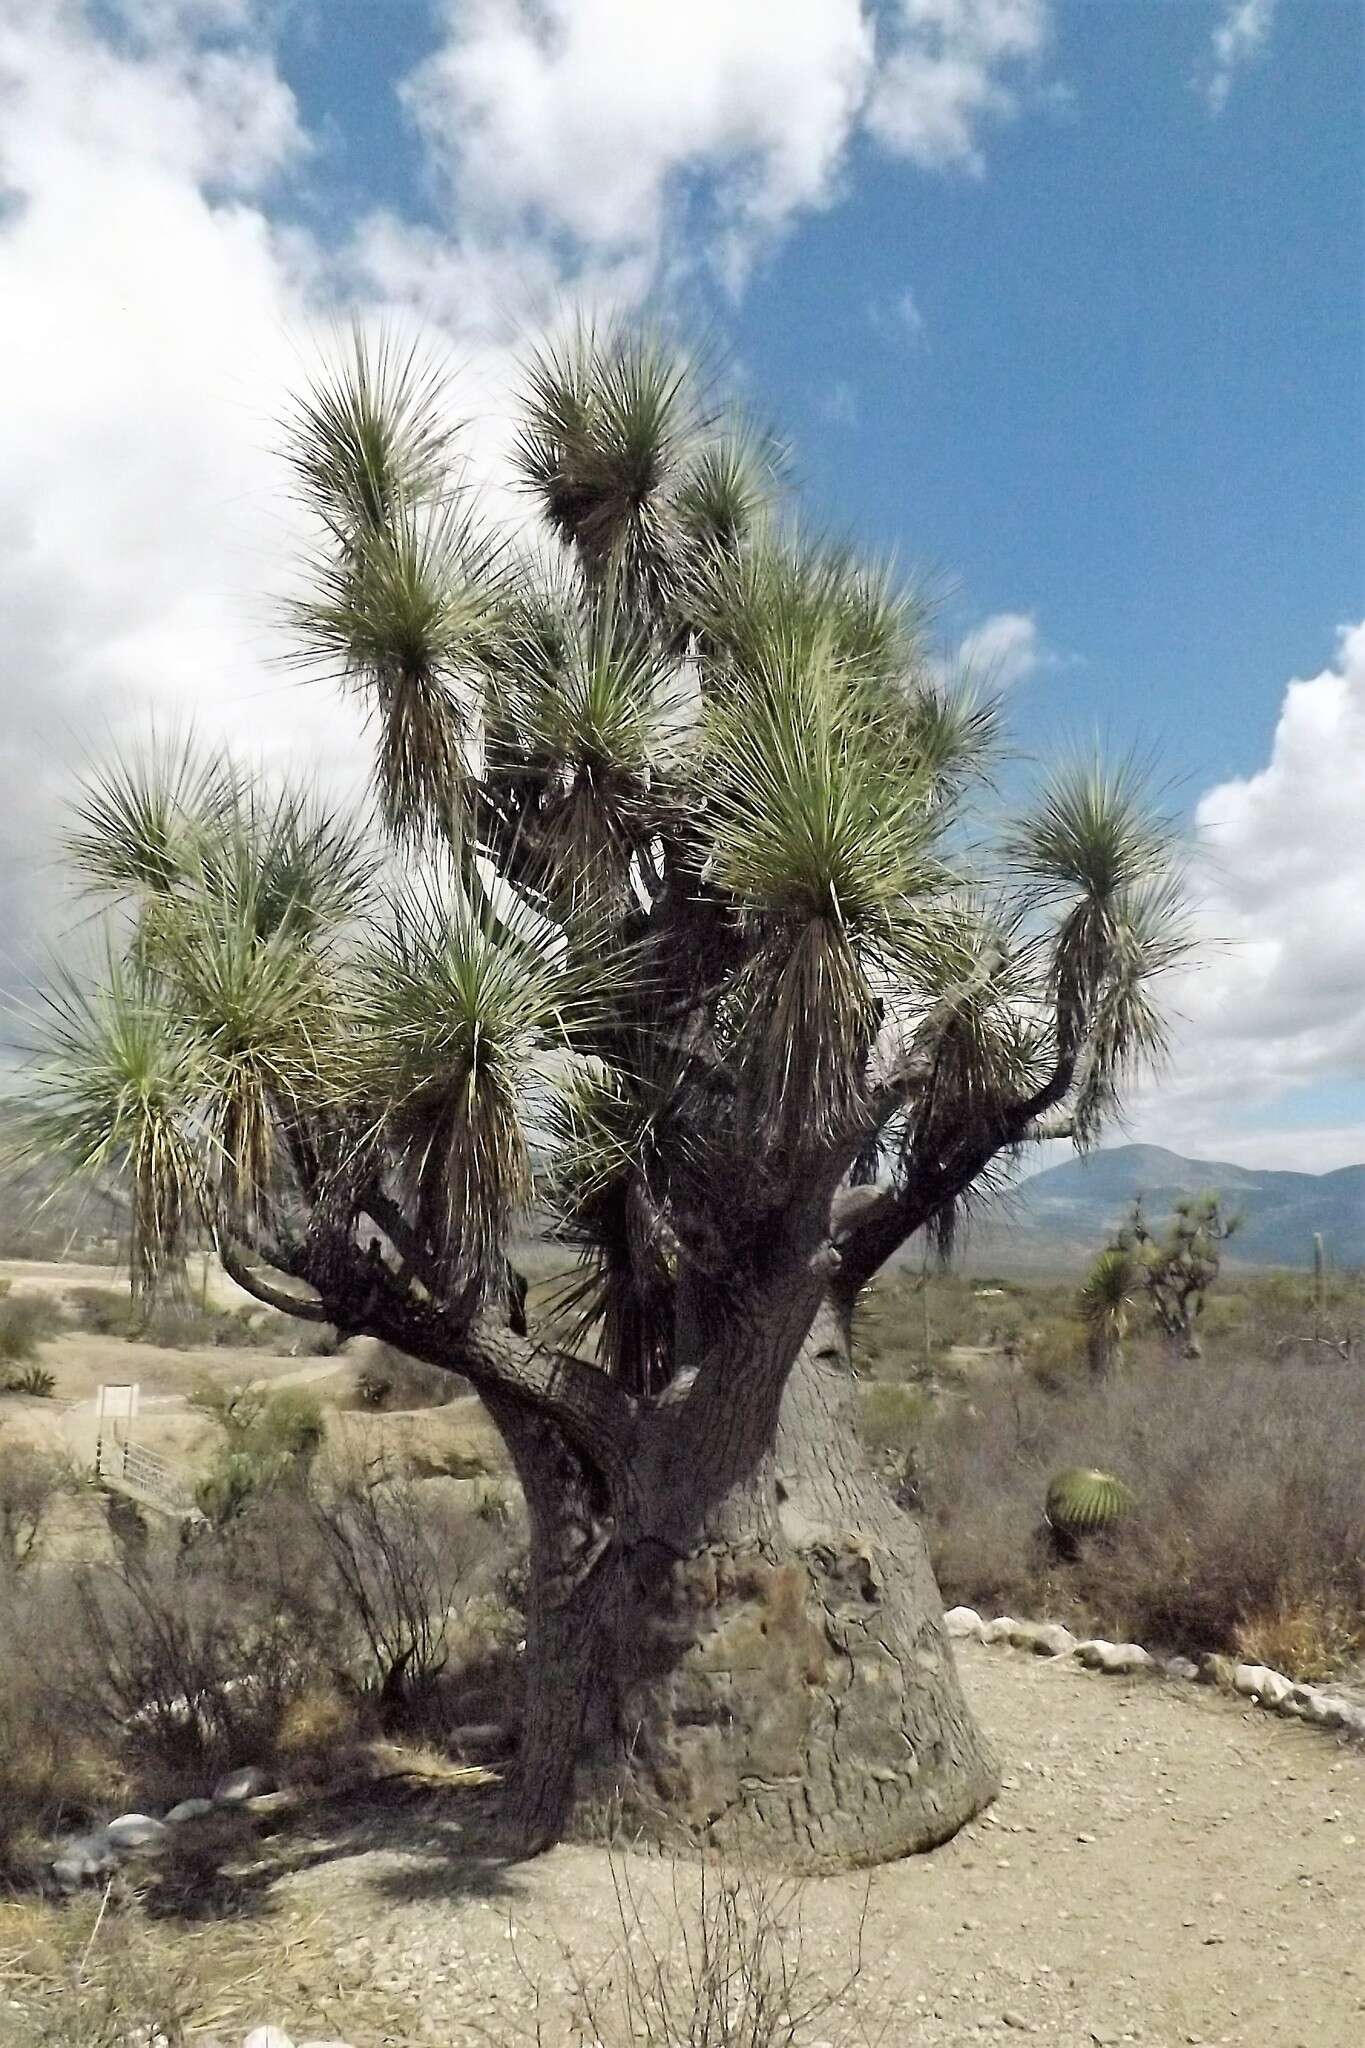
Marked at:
<point>1059,300</point>
<point>1116,382</point>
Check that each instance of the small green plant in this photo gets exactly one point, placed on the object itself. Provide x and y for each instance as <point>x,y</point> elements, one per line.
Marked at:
<point>35,1380</point>
<point>102,1311</point>
<point>26,1321</point>
<point>1082,1502</point>
<point>271,1440</point>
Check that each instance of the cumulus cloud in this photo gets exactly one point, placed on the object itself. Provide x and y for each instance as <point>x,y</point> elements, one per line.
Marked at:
<point>1241,35</point>
<point>610,120</point>
<point>1002,650</point>
<point>1277,1003</point>
<point>949,68</point>
<point>154,320</point>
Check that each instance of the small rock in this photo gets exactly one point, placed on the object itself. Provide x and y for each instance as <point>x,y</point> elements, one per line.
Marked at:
<point>1017,2021</point>
<point>1093,1652</point>
<point>1126,1657</point>
<point>1216,1670</point>
<point>1024,1635</point>
<point>1275,1690</point>
<point>267,2037</point>
<point>1180,1667</point>
<point>188,1809</point>
<point>1326,1712</point>
<point>83,1859</point>
<point>999,1630</point>
<point>233,1790</point>
<point>1104,2037</point>
<point>1250,1680</point>
<point>1053,1640</point>
<point>962,1622</point>
<point>134,1831</point>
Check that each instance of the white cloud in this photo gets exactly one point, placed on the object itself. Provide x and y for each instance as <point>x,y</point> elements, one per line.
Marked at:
<point>947,70</point>
<point>614,121</point>
<point>154,320</point>
<point>1002,650</point>
<point>1277,1004</point>
<point>589,116</point>
<point>1239,38</point>
<point>838,403</point>
<point>899,319</point>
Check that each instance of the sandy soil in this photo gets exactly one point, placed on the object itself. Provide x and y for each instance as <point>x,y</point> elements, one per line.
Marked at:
<point>1161,1868</point>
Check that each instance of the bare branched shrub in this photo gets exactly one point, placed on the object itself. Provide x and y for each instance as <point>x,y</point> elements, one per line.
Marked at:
<point>399,1558</point>
<point>727,1963</point>
<point>57,1770</point>
<point>31,1482</point>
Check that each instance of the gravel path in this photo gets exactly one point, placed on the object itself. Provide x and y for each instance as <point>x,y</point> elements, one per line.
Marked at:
<point>1163,1867</point>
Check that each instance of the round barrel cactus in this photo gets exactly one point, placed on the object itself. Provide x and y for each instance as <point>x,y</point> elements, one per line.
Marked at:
<point>1082,1502</point>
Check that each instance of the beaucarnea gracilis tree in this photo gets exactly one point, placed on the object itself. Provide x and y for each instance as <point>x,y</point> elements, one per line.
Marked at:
<point>681,927</point>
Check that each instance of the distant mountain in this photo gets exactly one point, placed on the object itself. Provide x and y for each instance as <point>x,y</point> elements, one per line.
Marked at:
<point>1062,1215</point>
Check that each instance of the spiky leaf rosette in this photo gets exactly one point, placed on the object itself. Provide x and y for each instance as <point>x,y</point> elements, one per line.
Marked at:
<point>459,1025</point>
<point>1096,851</point>
<point>371,435</point>
<point>113,1083</point>
<point>580,721</point>
<point>783,597</point>
<point>820,832</point>
<point>142,824</point>
<point>407,617</point>
<point>615,424</point>
<point>1084,1502</point>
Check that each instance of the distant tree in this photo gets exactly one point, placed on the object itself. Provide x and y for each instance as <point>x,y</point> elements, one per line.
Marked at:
<point>1179,1267</point>
<point>1112,1288</point>
<point>680,919</point>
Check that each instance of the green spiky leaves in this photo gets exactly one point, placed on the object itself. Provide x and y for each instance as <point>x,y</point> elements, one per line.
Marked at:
<point>1096,850</point>
<point>113,1079</point>
<point>819,828</point>
<point>371,436</point>
<point>459,1029</point>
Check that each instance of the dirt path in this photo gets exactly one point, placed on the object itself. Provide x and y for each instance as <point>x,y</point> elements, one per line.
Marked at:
<point>1162,1867</point>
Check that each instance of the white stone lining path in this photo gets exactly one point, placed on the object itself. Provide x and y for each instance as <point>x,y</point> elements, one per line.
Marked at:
<point>1255,1682</point>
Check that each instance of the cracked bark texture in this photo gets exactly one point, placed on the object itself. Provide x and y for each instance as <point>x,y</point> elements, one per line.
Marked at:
<point>754,1663</point>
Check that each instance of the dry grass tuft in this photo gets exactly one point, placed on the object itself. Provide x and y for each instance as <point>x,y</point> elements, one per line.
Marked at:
<point>1311,1639</point>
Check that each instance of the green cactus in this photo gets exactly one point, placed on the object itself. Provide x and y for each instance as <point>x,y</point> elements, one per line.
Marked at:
<point>1081,1502</point>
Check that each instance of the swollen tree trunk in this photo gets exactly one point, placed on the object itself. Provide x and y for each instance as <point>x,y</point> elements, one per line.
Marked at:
<point>750,1658</point>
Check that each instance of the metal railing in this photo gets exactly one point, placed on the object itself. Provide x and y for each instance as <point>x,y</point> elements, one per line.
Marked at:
<point>139,1470</point>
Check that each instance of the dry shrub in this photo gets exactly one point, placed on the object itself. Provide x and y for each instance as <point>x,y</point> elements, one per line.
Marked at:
<point>31,1480</point>
<point>726,1962</point>
<point>1312,1639</point>
<point>1250,1487</point>
<point>389,1380</point>
<point>317,1728</point>
<point>123,1992</point>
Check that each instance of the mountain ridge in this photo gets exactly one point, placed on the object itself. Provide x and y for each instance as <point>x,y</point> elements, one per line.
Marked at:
<point>1066,1212</point>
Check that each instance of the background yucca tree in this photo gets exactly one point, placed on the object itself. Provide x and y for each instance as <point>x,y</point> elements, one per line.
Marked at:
<point>682,925</point>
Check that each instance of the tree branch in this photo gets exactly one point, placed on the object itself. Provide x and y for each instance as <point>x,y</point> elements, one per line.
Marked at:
<point>308,1308</point>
